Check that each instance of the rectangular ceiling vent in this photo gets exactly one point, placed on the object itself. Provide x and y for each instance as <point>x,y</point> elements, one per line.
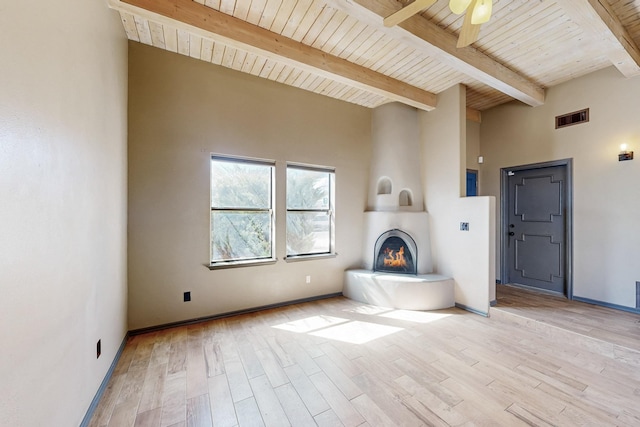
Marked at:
<point>574,118</point>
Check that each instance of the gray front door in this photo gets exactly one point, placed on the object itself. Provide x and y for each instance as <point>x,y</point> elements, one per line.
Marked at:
<point>536,227</point>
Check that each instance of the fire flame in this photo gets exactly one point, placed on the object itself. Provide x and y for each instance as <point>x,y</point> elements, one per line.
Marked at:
<point>394,260</point>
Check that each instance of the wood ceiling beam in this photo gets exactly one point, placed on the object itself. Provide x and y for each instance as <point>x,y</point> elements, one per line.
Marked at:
<point>599,21</point>
<point>441,45</point>
<point>407,12</point>
<point>209,23</point>
<point>474,115</point>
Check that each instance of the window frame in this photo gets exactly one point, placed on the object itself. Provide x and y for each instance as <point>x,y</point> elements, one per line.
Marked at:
<point>330,211</point>
<point>271,164</point>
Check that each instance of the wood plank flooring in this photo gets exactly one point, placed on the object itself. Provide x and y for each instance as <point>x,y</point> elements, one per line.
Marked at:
<point>597,322</point>
<point>337,362</point>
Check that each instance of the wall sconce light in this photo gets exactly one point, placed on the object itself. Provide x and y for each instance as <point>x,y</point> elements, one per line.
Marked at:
<point>624,154</point>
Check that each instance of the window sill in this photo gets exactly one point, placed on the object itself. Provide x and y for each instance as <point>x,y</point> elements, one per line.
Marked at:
<point>296,258</point>
<point>236,264</point>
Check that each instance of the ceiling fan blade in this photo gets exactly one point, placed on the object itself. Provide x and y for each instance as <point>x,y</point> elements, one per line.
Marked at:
<point>481,12</point>
<point>407,12</point>
<point>469,32</point>
<point>459,6</point>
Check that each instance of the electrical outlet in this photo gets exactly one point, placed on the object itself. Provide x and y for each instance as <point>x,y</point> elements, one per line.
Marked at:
<point>308,279</point>
<point>187,296</point>
<point>464,226</point>
<point>98,348</point>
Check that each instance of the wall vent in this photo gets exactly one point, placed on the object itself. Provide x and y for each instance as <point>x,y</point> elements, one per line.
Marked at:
<point>574,118</point>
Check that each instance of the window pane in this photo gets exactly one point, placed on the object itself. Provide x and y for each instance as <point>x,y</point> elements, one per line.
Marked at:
<point>240,235</point>
<point>240,185</point>
<point>308,233</point>
<point>307,189</point>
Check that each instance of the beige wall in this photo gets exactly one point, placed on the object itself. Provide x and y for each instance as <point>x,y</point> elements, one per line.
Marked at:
<point>473,145</point>
<point>467,256</point>
<point>180,111</point>
<point>63,81</point>
<point>443,140</point>
<point>606,194</point>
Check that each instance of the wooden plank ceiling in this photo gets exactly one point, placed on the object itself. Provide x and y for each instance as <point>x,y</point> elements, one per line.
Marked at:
<point>341,49</point>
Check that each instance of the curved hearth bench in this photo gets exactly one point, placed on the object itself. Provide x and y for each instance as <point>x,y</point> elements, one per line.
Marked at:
<point>402,291</point>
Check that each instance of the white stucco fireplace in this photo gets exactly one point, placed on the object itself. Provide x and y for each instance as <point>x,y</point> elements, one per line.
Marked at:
<point>396,208</point>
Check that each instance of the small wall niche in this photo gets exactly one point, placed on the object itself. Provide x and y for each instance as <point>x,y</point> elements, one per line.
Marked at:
<point>405,198</point>
<point>384,185</point>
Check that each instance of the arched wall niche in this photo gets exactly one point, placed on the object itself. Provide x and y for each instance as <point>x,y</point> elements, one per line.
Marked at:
<point>405,198</point>
<point>385,186</point>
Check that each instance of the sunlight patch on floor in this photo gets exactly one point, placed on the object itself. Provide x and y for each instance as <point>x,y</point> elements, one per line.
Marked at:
<point>311,324</point>
<point>368,309</point>
<point>356,332</point>
<point>415,316</point>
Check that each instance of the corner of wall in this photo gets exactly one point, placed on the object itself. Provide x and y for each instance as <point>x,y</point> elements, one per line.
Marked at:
<point>463,255</point>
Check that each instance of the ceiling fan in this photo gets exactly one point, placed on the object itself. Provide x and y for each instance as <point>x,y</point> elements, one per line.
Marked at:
<point>478,12</point>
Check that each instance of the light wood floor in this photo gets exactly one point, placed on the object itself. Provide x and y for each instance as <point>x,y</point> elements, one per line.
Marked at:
<point>338,362</point>
<point>600,323</point>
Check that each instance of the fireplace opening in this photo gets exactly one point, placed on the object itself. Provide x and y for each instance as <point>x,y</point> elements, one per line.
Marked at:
<point>395,252</point>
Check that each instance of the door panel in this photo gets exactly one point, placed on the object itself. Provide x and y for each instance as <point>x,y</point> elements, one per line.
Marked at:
<point>538,199</point>
<point>538,257</point>
<point>472,182</point>
<point>537,227</point>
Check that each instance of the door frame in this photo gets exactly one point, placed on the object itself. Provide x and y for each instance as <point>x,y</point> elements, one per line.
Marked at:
<point>504,217</point>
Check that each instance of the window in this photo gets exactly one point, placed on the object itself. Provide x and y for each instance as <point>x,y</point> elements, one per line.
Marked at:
<point>310,210</point>
<point>241,210</point>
